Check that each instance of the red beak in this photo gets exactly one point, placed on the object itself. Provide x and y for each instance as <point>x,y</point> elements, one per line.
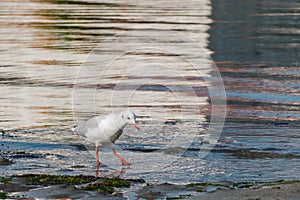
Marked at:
<point>136,126</point>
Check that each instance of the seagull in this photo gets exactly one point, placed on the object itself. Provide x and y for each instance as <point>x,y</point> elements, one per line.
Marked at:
<point>106,129</point>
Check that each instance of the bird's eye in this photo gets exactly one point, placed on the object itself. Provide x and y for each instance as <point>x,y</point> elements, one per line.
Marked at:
<point>128,117</point>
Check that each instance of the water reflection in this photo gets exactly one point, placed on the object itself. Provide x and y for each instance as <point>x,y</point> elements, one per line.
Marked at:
<point>259,78</point>
<point>254,45</point>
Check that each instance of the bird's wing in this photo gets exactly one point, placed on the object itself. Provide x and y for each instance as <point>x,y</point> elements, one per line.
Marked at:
<point>116,136</point>
<point>92,123</point>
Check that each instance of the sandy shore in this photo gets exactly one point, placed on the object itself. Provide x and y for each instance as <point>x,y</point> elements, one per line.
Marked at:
<point>274,192</point>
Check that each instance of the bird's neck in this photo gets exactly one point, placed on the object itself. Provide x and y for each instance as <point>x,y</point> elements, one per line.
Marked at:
<point>119,121</point>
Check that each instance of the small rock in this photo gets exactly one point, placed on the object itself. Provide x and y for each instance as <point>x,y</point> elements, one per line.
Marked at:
<point>5,161</point>
<point>170,122</point>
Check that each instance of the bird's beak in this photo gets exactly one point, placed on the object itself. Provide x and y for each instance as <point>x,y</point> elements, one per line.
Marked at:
<point>136,126</point>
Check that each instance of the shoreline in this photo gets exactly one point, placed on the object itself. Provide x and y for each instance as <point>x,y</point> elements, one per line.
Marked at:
<point>31,186</point>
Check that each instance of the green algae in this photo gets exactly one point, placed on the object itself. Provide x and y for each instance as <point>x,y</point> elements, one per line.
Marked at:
<point>99,187</point>
<point>245,184</point>
<point>281,182</point>
<point>204,184</point>
<point>6,180</point>
<point>251,184</point>
<point>107,186</point>
<point>3,195</point>
<point>117,183</point>
<point>201,187</point>
<point>46,179</point>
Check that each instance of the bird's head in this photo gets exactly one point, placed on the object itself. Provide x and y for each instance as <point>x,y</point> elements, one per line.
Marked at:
<point>130,118</point>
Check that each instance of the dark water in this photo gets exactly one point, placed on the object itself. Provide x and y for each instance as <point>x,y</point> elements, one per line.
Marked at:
<point>256,47</point>
<point>64,61</point>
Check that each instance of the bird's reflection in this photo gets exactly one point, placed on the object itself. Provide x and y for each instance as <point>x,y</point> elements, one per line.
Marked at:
<point>116,174</point>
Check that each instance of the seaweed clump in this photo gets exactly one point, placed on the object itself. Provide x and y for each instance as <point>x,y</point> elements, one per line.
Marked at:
<point>107,186</point>
<point>104,186</point>
<point>3,195</point>
<point>202,186</point>
<point>45,179</point>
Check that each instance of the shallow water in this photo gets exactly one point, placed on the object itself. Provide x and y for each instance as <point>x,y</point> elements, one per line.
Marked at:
<point>64,61</point>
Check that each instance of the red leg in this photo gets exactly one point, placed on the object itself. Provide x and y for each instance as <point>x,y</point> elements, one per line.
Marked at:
<point>97,157</point>
<point>97,171</point>
<point>123,161</point>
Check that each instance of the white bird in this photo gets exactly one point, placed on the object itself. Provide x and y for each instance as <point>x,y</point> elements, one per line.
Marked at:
<point>106,129</point>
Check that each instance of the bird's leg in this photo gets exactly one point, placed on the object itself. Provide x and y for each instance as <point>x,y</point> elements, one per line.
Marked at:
<point>97,157</point>
<point>97,171</point>
<point>123,161</point>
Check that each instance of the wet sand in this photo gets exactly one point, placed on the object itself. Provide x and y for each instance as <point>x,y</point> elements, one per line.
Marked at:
<point>282,192</point>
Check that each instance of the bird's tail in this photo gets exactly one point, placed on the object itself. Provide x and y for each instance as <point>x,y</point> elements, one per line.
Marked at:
<point>74,129</point>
